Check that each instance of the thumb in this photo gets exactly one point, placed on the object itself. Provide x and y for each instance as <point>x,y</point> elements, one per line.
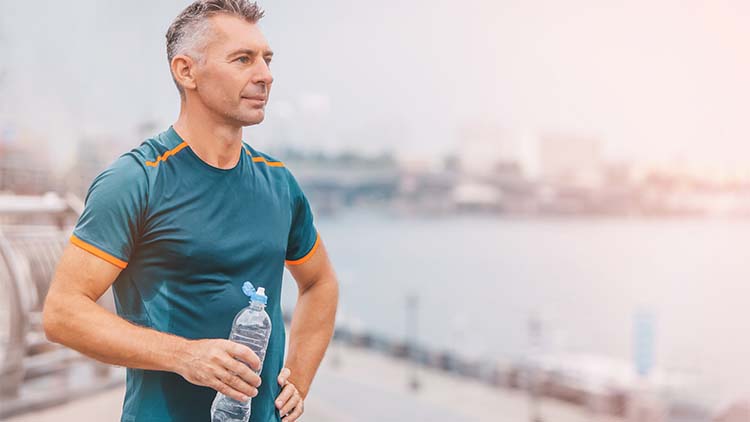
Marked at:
<point>284,375</point>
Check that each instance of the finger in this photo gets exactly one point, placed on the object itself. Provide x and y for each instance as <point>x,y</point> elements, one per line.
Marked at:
<point>243,371</point>
<point>286,393</point>
<point>292,402</point>
<point>245,354</point>
<point>284,375</point>
<point>228,391</point>
<point>238,384</point>
<point>296,413</point>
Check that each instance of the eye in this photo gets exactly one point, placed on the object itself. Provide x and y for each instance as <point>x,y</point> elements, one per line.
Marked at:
<point>243,59</point>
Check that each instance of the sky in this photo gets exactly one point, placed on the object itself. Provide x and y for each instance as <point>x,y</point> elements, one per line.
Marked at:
<point>653,80</point>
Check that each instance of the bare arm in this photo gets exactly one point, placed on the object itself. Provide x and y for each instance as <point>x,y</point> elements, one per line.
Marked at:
<point>314,317</point>
<point>72,317</point>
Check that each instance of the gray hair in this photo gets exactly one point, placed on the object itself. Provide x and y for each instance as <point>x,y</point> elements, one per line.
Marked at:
<point>186,34</point>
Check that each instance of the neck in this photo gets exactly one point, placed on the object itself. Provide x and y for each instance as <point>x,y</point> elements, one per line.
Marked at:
<point>212,138</point>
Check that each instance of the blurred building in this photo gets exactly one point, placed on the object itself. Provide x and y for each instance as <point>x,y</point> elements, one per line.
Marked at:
<point>570,161</point>
<point>490,173</point>
<point>93,155</point>
<point>346,179</point>
<point>484,146</point>
<point>23,169</point>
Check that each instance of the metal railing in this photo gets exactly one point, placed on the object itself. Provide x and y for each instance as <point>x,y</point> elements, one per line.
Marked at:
<point>35,373</point>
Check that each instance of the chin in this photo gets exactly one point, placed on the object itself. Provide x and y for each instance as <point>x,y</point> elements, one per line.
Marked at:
<point>249,119</point>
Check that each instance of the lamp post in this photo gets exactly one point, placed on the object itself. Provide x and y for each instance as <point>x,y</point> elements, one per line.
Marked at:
<point>534,328</point>
<point>412,304</point>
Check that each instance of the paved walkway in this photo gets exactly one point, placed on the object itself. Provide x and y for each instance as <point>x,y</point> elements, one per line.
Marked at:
<point>367,387</point>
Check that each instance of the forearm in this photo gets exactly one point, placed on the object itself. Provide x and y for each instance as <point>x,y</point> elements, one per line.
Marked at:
<point>80,323</point>
<point>311,331</point>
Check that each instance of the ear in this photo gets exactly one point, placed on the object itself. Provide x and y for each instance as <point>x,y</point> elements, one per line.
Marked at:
<point>183,71</point>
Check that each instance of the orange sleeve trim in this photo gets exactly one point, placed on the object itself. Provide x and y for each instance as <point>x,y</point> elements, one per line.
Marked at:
<point>263,160</point>
<point>167,154</point>
<point>98,252</point>
<point>309,254</point>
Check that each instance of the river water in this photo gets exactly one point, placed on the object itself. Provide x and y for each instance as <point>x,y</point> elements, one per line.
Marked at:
<point>480,279</point>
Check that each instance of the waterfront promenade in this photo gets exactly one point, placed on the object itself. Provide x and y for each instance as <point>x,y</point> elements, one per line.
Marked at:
<point>366,386</point>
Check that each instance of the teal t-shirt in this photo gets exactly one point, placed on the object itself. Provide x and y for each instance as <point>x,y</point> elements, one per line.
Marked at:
<point>187,235</point>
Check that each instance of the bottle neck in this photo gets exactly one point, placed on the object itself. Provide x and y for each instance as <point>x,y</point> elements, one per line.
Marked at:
<point>257,306</point>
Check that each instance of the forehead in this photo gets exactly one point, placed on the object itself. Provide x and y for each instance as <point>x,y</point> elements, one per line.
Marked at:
<point>230,33</point>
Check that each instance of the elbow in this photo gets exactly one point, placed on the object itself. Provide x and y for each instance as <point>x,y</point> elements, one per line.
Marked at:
<point>51,320</point>
<point>323,283</point>
<point>331,286</point>
<point>335,288</point>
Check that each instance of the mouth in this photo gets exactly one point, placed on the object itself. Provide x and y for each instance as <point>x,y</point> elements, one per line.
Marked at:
<point>258,98</point>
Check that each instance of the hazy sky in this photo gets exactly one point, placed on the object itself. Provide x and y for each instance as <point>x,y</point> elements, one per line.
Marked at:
<point>654,79</point>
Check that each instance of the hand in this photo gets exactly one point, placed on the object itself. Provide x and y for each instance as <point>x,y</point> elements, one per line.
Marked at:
<point>290,402</point>
<point>221,365</point>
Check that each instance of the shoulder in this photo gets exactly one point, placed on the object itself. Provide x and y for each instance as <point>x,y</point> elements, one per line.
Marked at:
<point>132,172</point>
<point>156,150</point>
<point>276,169</point>
<point>273,166</point>
<point>263,158</point>
<point>142,164</point>
<point>125,172</point>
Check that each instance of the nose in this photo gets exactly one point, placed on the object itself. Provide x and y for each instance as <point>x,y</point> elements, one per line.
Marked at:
<point>262,74</point>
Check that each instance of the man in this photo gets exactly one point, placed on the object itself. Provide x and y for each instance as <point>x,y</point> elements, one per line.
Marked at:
<point>178,224</point>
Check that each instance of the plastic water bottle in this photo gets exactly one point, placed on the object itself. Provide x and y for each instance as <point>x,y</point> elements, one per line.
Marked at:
<point>251,327</point>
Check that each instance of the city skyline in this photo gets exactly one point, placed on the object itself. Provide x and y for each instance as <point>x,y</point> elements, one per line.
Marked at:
<point>654,82</point>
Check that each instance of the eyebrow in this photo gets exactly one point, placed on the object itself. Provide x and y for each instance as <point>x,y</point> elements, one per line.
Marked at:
<point>249,52</point>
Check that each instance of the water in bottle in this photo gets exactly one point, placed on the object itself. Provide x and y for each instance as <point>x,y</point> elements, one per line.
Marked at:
<point>251,327</point>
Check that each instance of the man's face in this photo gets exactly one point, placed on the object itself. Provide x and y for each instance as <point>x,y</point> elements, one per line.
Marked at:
<point>234,79</point>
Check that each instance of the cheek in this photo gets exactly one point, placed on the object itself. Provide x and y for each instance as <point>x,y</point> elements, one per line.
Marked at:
<point>222,86</point>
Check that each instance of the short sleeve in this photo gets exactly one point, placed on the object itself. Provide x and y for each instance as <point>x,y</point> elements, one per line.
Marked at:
<point>110,224</point>
<point>303,237</point>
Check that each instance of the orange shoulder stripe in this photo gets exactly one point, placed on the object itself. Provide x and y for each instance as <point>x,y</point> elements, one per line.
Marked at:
<point>309,254</point>
<point>263,160</point>
<point>167,154</point>
<point>98,252</point>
